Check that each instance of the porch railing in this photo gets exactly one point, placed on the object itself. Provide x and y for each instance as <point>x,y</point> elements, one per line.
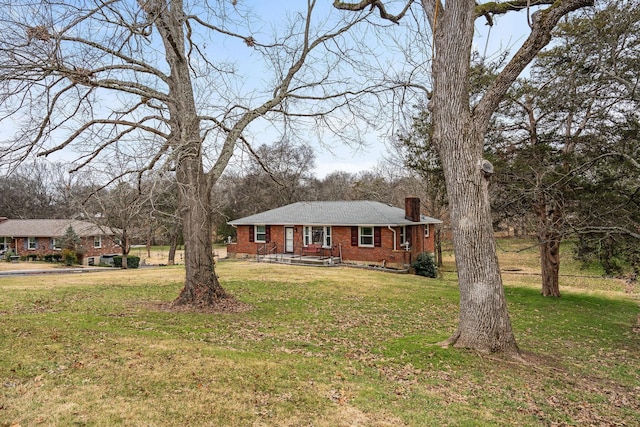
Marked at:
<point>266,249</point>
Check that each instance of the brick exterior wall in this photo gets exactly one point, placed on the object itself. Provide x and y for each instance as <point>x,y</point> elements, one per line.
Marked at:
<point>341,245</point>
<point>44,247</point>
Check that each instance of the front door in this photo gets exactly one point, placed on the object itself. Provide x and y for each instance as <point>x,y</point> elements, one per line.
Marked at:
<point>288,239</point>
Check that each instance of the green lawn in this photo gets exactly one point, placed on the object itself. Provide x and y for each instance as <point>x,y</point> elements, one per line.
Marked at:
<point>320,347</point>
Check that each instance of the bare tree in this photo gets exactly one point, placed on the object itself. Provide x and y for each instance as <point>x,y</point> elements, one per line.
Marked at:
<point>121,209</point>
<point>275,176</point>
<point>38,189</point>
<point>459,127</point>
<point>163,216</point>
<point>156,83</point>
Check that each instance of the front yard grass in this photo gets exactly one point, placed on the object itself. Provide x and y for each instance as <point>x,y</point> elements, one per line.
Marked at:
<point>320,347</point>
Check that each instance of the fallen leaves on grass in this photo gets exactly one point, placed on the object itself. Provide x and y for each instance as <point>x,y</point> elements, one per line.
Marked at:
<point>224,306</point>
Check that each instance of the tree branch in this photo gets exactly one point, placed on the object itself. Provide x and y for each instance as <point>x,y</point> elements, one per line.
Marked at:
<point>91,123</point>
<point>500,8</point>
<point>373,4</point>
<point>544,22</point>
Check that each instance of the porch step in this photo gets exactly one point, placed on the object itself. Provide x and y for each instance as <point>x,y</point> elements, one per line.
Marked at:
<point>299,260</point>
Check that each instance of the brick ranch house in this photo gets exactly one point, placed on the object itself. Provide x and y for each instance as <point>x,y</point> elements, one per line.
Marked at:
<point>40,237</point>
<point>355,232</point>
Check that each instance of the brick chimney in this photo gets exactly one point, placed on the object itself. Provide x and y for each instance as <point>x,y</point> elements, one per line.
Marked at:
<point>412,209</point>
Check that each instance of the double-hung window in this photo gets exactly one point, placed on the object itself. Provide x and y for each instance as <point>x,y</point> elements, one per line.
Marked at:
<point>327,237</point>
<point>261,233</point>
<point>32,243</point>
<point>97,242</point>
<point>5,243</point>
<point>366,236</point>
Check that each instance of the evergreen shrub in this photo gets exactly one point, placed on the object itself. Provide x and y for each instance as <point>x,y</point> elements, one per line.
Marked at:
<point>424,265</point>
<point>69,257</point>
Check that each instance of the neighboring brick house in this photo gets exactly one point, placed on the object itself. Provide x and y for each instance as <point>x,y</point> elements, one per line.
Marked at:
<point>39,237</point>
<point>357,232</point>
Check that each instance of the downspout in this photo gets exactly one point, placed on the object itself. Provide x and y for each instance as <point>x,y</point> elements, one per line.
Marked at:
<point>394,237</point>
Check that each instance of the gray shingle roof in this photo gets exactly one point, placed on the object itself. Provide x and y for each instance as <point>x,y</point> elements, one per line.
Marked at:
<point>353,212</point>
<point>47,228</point>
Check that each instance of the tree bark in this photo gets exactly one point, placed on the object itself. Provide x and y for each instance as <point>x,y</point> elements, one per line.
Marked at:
<point>126,248</point>
<point>201,287</point>
<point>484,320</point>
<point>549,241</point>
<point>550,263</point>
<point>173,245</point>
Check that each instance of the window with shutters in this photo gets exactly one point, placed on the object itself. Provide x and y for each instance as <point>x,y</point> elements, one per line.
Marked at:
<point>261,233</point>
<point>366,237</point>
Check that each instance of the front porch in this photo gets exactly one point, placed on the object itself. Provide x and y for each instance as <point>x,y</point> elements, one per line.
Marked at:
<point>289,258</point>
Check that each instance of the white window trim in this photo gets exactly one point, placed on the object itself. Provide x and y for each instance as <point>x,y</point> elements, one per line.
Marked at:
<point>403,234</point>
<point>97,239</point>
<point>306,239</point>
<point>264,232</point>
<point>426,230</point>
<point>5,243</point>
<point>328,238</point>
<point>33,240</point>
<point>57,244</point>
<point>326,235</point>
<point>361,235</point>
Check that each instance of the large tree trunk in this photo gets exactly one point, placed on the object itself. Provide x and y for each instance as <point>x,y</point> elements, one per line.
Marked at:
<point>201,287</point>
<point>484,320</point>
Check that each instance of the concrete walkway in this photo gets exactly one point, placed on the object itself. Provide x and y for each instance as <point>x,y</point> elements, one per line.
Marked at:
<point>56,271</point>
